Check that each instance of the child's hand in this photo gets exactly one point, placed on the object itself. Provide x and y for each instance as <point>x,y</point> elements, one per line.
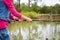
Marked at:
<point>28,19</point>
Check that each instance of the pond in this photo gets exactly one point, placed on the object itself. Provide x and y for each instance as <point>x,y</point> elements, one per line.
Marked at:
<point>35,30</point>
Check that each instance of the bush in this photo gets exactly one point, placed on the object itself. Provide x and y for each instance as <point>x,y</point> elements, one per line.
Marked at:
<point>25,13</point>
<point>30,14</point>
<point>33,14</point>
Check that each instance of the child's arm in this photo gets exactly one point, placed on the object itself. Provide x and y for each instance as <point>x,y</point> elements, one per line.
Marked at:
<point>11,7</point>
<point>12,17</point>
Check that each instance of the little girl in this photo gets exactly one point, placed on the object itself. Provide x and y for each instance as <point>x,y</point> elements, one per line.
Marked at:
<point>6,9</point>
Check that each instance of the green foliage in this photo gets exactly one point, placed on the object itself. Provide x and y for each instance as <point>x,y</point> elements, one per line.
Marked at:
<point>25,13</point>
<point>30,14</point>
<point>33,14</point>
<point>45,9</point>
<point>18,8</point>
<point>35,8</point>
<point>56,9</point>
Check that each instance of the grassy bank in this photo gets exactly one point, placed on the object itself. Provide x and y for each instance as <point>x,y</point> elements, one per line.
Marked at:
<point>40,16</point>
<point>49,17</point>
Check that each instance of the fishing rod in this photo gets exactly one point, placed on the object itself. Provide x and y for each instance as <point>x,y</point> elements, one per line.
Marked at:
<point>34,20</point>
<point>25,20</point>
<point>41,20</point>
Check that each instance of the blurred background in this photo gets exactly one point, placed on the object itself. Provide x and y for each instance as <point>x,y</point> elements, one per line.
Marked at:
<point>46,26</point>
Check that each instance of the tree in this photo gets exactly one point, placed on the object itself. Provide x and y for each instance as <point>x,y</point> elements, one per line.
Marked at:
<point>57,8</point>
<point>29,2</point>
<point>36,1</point>
<point>18,2</point>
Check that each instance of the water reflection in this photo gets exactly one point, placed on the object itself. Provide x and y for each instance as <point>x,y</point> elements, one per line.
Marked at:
<point>58,32</point>
<point>35,31</point>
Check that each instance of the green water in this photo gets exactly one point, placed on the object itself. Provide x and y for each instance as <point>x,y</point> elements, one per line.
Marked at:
<point>34,30</point>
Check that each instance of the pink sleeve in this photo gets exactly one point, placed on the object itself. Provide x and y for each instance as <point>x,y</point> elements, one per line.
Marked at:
<point>12,9</point>
<point>11,17</point>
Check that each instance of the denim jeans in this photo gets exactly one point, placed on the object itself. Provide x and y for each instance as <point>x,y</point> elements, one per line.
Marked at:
<point>4,34</point>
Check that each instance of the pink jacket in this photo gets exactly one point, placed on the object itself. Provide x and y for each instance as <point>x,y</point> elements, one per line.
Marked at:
<point>10,6</point>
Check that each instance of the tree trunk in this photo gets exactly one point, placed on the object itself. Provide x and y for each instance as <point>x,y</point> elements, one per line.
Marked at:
<point>29,3</point>
<point>19,2</point>
<point>36,2</point>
